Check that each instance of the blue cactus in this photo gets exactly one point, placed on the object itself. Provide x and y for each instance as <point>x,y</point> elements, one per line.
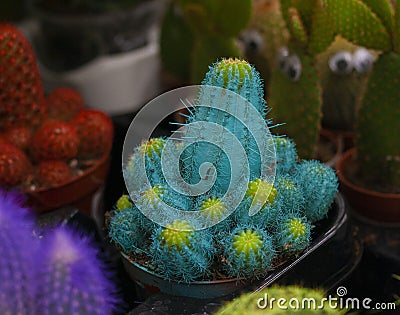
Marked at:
<point>319,185</point>
<point>273,216</point>
<point>286,154</point>
<point>248,251</point>
<point>293,234</point>
<point>180,253</point>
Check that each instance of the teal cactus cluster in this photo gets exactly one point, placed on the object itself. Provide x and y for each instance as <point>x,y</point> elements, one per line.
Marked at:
<point>238,243</point>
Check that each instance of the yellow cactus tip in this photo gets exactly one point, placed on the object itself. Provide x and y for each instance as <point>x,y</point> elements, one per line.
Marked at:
<point>296,227</point>
<point>247,242</point>
<point>123,203</point>
<point>152,146</point>
<point>261,191</point>
<point>213,208</point>
<point>152,195</point>
<point>177,234</point>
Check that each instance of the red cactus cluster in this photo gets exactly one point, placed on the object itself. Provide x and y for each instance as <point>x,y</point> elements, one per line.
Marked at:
<point>44,141</point>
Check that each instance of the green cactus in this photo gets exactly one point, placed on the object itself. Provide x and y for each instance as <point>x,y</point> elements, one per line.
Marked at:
<point>265,302</point>
<point>196,33</point>
<point>342,88</point>
<point>295,91</point>
<point>377,130</point>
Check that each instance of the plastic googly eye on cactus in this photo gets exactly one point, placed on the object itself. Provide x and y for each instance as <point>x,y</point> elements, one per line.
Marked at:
<point>319,184</point>
<point>363,60</point>
<point>341,63</point>
<point>293,234</point>
<point>180,253</point>
<point>293,67</point>
<point>248,251</point>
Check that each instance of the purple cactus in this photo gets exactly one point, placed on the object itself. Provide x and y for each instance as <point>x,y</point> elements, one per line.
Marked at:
<point>17,247</point>
<point>59,273</point>
<point>73,279</point>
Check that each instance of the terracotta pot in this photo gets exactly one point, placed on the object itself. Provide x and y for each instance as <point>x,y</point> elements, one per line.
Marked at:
<point>384,207</point>
<point>80,192</point>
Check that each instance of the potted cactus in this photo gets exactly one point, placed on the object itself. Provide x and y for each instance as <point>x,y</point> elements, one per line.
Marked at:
<point>52,148</point>
<point>371,172</point>
<point>195,33</point>
<point>228,241</point>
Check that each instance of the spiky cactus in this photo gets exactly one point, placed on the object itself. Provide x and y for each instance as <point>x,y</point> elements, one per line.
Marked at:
<point>248,251</point>
<point>375,24</point>
<point>180,253</point>
<point>295,91</point>
<point>17,295</point>
<point>59,273</point>
<point>245,243</point>
<point>72,277</point>
<point>264,301</point>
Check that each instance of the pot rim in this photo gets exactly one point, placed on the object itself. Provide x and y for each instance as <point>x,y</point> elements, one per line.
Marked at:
<point>340,166</point>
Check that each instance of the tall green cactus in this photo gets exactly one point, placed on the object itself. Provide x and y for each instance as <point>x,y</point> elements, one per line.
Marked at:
<point>196,33</point>
<point>375,24</point>
<point>295,91</point>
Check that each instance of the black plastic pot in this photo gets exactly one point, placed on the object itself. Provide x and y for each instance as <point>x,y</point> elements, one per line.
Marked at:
<point>332,256</point>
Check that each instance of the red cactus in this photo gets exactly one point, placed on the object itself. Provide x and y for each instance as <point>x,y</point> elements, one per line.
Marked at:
<point>64,103</point>
<point>14,165</point>
<point>21,93</point>
<point>52,173</point>
<point>95,130</point>
<point>18,136</point>
<point>55,140</point>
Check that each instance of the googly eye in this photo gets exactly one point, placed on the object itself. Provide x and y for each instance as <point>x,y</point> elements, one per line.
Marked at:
<point>293,70</point>
<point>341,63</point>
<point>362,60</point>
<point>252,41</point>
<point>283,55</point>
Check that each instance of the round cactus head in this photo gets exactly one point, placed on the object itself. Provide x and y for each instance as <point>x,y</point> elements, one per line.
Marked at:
<point>153,147</point>
<point>258,189</point>
<point>123,203</point>
<point>213,208</point>
<point>177,234</point>
<point>293,234</point>
<point>247,242</point>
